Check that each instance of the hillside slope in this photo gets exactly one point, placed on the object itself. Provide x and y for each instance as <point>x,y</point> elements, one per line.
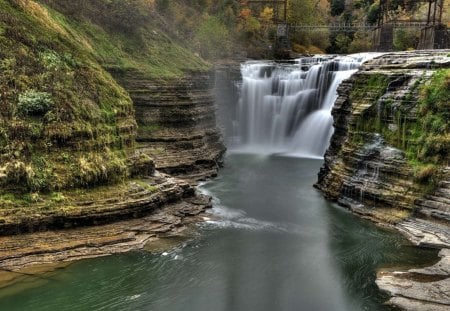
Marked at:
<point>68,128</point>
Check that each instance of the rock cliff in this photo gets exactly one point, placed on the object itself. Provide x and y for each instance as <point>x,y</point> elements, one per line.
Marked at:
<point>98,101</point>
<point>389,156</point>
<point>177,123</point>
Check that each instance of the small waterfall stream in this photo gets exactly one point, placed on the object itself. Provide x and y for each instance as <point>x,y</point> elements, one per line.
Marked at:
<point>286,108</point>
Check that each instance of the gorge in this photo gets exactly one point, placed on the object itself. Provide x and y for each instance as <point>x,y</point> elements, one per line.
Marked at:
<point>259,197</point>
<point>108,141</point>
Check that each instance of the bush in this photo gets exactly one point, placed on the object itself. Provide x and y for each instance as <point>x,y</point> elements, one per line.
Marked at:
<point>373,13</point>
<point>361,43</point>
<point>33,103</point>
<point>405,39</point>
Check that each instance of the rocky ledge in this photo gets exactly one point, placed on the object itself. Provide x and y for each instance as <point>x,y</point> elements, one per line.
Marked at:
<point>177,123</point>
<point>419,289</point>
<point>165,210</point>
<point>177,145</point>
<point>369,168</point>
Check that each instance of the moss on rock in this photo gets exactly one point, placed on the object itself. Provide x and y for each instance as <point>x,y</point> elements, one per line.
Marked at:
<point>64,121</point>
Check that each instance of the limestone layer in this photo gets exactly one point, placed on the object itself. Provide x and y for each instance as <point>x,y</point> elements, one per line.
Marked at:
<point>364,171</point>
<point>177,123</point>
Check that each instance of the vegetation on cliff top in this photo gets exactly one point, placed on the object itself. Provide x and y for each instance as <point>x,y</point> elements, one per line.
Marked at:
<point>418,125</point>
<point>126,35</point>
<point>64,121</point>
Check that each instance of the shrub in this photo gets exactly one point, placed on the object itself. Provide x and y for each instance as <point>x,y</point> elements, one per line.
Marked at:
<point>33,103</point>
<point>405,39</point>
<point>361,43</point>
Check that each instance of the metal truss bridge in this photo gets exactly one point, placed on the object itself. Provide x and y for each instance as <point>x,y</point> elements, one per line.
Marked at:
<point>355,27</point>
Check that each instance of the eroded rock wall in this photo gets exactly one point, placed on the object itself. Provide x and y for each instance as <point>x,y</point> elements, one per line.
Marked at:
<point>381,167</point>
<point>363,168</point>
<point>177,123</point>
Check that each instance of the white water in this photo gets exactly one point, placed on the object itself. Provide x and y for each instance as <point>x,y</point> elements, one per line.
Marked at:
<point>286,108</point>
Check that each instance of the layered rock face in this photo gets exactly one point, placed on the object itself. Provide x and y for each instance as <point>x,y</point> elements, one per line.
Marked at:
<point>70,152</point>
<point>373,165</point>
<point>227,88</point>
<point>182,209</point>
<point>177,123</point>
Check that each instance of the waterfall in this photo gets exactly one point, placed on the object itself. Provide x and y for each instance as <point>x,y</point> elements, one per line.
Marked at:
<point>286,108</point>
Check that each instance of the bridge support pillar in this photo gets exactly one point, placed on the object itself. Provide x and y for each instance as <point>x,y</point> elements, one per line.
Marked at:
<point>383,38</point>
<point>434,37</point>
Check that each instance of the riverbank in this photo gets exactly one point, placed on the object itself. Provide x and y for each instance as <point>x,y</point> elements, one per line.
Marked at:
<point>234,262</point>
<point>376,166</point>
<point>43,251</point>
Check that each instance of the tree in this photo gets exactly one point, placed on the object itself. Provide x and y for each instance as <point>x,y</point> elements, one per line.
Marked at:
<point>266,15</point>
<point>213,38</point>
<point>337,7</point>
<point>302,12</point>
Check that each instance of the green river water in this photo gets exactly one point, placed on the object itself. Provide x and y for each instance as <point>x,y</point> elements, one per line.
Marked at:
<point>275,244</point>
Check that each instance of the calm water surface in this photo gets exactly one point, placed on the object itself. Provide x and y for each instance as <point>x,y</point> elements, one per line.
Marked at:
<point>278,246</point>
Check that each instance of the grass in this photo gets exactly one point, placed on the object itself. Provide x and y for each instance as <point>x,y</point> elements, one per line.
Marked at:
<point>391,215</point>
<point>16,204</point>
<point>118,47</point>
<point>58,106</point>
<point>146,186</point>
<point>424,136</point>
<point>64,121</point>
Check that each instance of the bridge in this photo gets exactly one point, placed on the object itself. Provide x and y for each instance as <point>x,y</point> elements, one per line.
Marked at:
<point>355,27</point>
<point>434,33</point>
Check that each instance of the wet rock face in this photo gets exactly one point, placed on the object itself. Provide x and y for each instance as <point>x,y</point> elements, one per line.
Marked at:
<point>177,123</point>
<point>227,88</point>
<point>364,171</point>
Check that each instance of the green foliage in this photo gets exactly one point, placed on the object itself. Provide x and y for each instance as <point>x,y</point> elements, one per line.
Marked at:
<point>425,138</point>
<point>303,12</point>
<point>128,36</point>
<point>433,143</point>
<point>337,7</point>
<point>342,43</point>
<point>57,103</point>
<point>146,186</point>
<point>360,43</point>
<point>213,38</point>
<point>373,13</point>
<point>405,39</point>
<point>308,12</point>
<point>33,103</point>
<point>371,89</point>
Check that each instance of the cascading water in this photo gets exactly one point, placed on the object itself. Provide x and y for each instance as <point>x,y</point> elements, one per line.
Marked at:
<point>286,108</point>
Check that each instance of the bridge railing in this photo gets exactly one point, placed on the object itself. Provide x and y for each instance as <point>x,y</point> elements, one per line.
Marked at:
<point>354,27</point>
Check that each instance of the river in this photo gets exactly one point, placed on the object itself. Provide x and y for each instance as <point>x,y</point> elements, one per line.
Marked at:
<point>273,243</point>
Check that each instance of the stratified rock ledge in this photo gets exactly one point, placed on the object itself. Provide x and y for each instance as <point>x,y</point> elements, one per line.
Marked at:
<point>373,179</point>
<point>164,209</point>
<point>419,289</point>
